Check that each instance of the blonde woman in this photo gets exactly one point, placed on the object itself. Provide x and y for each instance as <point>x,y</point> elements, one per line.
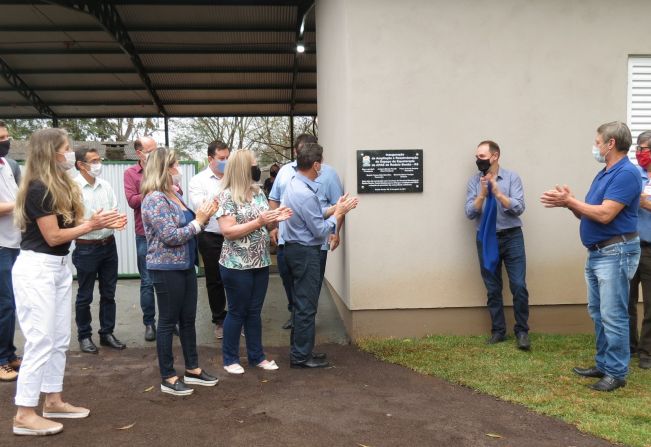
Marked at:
<point>244,261</point>
<point>49,212</point>
<point>170,229</point>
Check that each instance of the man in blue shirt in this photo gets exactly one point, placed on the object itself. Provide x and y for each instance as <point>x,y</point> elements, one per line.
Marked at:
<point>608,230</point>
<point>642,344</point>
<point>506,189</point>
<point>303,234</point>
<point>330,189</point>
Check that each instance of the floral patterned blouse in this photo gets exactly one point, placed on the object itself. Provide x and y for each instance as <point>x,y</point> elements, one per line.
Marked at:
<point>251,251</point>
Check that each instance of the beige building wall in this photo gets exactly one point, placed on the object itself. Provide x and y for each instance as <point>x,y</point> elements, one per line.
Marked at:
<point>537,77</point>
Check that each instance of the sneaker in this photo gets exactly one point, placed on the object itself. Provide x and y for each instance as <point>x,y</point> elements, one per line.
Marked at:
<point>39,427</point>
<point>235,368</point>
<point>267,365</point>
<point>65,411</point>
<point>177,388</point>
<point>7,373</point>
<point>15,363</point>
<point>219,331</point>
<point>202,379</point>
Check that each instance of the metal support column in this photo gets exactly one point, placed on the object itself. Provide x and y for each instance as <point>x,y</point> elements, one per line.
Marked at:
<point>167,132</point>
<point>291,136</point>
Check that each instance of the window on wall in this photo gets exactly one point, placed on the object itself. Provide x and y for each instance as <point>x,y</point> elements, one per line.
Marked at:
<point>638,102</point>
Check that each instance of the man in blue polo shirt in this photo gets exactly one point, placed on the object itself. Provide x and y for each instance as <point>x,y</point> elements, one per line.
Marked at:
<point>330,189</point>
<point>609,231</point>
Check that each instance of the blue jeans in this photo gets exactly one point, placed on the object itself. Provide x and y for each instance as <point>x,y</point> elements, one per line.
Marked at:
<point>7,305</point>
<point>147,301</point>
<point>511,250</point>
<point>176,291</point>
<point>607,274</point>
<point>246,290</point>
<point>305,266</point>
<point>95,262</point>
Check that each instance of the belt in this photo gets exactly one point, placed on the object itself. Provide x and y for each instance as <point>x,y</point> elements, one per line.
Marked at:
<point>104,241</point>
<point>613,240</point>
<point>507,231</point>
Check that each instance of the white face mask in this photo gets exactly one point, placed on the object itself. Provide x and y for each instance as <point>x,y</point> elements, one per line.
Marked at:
<point>177,178</point>
<point>95,170</point>
<point>596,153</point>
<point>70,161</point>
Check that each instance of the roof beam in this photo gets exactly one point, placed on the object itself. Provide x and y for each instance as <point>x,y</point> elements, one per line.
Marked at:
<point>303,9</point>
<point>190,102</point>
<point>21,87</point>
<point>185,87</point>
<point>174,2</point>
<point>110,20</point>
<point>222,28</point>
<point>161,70</point>
<point>190,49</point>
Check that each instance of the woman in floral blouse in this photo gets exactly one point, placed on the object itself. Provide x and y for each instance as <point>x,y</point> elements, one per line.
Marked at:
<point>244,262</point>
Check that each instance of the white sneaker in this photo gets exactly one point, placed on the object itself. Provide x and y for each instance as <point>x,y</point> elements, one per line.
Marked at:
<point>235,368</point>
<point>267,365</point>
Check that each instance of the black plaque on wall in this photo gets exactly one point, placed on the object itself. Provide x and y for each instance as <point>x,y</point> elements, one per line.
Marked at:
<point>389,171</point>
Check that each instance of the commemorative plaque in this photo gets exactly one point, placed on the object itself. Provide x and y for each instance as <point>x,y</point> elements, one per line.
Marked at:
<point>390,171</point>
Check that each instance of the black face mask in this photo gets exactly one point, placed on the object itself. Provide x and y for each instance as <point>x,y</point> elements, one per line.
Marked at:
<point>4,148</point>
<point>483,165</point>
<point>256,173</point>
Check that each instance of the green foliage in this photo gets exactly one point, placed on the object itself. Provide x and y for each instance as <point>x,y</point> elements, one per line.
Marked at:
<point>541,379</point>
<point>88,129</point>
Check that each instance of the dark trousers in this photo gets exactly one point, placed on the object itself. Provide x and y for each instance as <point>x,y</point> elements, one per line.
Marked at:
<point>246,292</point>
<point>147,301</point>
<point>286,277</point>
<point>304,265</point>
<point>641,344</point>
<point>176,293</point>
<point>511,253</point>
<point>210,247</point>
<point>95,262</point>
<point>7,305</point>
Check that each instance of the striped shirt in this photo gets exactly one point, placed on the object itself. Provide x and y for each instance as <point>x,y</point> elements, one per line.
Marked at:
<point>96,197</point>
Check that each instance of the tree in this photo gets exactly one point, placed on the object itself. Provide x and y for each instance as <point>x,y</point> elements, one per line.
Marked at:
<point>88,129</point>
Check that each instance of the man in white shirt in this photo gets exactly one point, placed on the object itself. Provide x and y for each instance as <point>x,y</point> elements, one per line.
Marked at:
<point>95,256</point>
<point>204,186</point>
<point>9,249</point>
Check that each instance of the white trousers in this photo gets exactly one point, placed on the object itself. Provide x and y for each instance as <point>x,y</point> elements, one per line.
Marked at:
<point>43,291</point>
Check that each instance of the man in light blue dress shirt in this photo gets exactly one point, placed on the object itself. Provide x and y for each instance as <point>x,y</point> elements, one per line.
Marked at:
<point>303,234</point>
<point>507,189</point>
<point>329,191</point>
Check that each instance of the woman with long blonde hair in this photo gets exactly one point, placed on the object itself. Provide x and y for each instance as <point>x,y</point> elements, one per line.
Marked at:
<point>171,229</point>
<point>244,261</point>
<point>49,212</point>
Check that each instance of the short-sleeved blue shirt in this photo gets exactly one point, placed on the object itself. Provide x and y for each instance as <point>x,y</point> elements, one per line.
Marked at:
<point>621,183</point>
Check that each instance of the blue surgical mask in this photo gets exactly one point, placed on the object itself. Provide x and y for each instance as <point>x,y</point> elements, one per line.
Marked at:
<point>596,153</point>
<point>221,165</point>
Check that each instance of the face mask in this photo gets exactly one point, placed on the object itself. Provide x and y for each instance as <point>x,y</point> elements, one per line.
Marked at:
<point>256,173</point>
<point>95,170</point>
<point>221,165</point>
<point>177,178</point>
<point>70,161</point>
<point>483,165</point>
<point>643,158</point>
<point>596,153</point>
<point>4,148</point>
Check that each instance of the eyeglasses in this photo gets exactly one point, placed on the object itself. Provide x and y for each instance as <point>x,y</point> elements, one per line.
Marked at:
<point>642,148</point>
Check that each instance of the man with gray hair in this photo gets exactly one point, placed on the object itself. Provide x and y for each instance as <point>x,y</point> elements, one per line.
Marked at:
<point>642,344</point>
<point>608,230</point>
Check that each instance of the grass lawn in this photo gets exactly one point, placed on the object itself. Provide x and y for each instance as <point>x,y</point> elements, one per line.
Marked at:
<point>541,380</point>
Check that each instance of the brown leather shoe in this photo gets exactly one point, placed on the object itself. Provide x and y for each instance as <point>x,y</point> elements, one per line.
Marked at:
<point>7,373</point>
<point>38,426</point>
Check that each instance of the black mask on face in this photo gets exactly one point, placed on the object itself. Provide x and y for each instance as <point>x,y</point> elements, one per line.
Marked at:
<point>4,148</point>
<point>483,165</point>
<point>255,173</point>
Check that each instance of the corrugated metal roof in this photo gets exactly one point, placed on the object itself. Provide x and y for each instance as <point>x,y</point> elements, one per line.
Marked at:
<point>217,58</point>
